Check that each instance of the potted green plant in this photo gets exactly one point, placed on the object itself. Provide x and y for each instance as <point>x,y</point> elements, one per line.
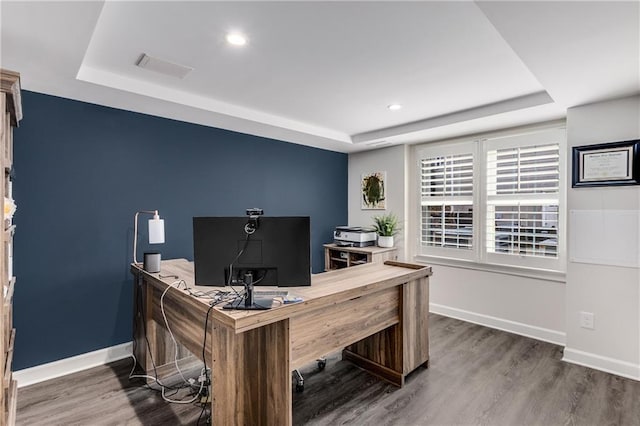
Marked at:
<point>386,227</point>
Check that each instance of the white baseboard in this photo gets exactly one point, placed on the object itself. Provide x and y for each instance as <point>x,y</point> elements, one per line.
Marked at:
<point>538,333</point>
<point>603,363</point>
<point>51,370</point>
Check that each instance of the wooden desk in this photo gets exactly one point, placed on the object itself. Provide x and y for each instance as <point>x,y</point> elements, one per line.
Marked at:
<point>377,312</point>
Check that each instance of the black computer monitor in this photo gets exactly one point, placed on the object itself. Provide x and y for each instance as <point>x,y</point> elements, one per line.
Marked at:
<point>277,253</point>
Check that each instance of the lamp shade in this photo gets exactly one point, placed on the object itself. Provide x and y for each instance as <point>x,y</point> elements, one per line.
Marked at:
<point>156,230</point>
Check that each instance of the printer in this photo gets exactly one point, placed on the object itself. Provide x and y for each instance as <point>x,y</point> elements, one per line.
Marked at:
<point>354,236</point>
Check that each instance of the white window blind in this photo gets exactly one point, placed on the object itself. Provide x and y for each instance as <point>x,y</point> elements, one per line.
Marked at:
<point>497,201</point>
<point>447,200</point>
<point>522,204</point>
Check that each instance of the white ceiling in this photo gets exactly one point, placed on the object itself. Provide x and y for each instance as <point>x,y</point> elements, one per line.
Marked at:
<point>323,73</point>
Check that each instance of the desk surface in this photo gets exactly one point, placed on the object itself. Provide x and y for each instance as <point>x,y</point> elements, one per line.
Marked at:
<point>325,287</point>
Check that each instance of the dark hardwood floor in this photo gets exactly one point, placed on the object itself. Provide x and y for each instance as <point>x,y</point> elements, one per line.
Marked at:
<point>477,376</point>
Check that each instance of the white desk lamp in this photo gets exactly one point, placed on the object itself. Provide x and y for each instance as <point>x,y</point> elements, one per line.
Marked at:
<point>156,231</point>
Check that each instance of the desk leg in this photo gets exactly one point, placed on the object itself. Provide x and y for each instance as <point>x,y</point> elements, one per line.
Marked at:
<point>398,350</point>
<point>415,324</point>
<point>251,375</point>
<point>144,327</point>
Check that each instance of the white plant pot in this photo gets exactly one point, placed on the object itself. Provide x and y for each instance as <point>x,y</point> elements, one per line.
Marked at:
<point>385,241</point>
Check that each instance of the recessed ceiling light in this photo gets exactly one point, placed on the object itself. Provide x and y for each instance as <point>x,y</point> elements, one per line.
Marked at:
<point>394,107</point>
<point>236,39</point>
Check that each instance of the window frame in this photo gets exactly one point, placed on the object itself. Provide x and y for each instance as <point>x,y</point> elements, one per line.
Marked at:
<point>479,257</point>
<point>533,138</point>
<point>444,150</point>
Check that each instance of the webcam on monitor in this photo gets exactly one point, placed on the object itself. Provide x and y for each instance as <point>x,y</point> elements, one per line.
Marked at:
<point>255,212</point>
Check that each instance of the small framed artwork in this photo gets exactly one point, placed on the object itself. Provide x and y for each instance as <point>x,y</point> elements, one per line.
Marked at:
<point>606,164</point>
<point>374,191</point>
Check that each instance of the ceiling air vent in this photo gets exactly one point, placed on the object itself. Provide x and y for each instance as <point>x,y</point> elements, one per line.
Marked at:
<point>163,67</point>
<point>378,144</point>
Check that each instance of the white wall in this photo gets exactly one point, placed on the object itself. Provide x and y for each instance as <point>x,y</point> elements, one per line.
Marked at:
<point>612,293</point>
<point>528,306</point>
<point>393,161</point>
<point>538,307</point>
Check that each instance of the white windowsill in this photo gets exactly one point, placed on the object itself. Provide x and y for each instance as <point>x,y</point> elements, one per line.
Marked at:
<point>541,274</point>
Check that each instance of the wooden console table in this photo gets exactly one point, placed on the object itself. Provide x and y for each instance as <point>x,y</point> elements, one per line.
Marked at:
<point>338,257</point>
<point>377,313</point>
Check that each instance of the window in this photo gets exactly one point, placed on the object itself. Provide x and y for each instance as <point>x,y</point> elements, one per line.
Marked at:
<point>447,198</point>
<point>496,200</point>
<point>522,200</point>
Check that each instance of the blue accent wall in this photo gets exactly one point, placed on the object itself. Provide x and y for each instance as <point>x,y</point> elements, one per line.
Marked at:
<point>82,171</point>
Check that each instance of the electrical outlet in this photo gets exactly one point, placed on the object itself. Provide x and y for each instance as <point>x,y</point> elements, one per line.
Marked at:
<point>587,320</point>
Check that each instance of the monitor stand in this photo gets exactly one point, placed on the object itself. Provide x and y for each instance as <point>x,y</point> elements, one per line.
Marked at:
<point>247,302</point>
<point>257,305</point>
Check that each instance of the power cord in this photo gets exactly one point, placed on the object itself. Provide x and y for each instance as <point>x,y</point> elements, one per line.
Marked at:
<point>166,323</point>
<point>163,388</point>
<point>144,330</point>
<point>217,297</point>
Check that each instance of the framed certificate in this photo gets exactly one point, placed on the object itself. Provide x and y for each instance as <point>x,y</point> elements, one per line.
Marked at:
<point>606,164</point>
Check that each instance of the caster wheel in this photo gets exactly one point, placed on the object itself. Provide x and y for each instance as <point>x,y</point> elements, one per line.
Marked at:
<point>299,388</point>
<point>322,364</point>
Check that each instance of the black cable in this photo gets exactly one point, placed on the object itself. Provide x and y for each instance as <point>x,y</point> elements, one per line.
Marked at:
<point>204,343</point>
<point>204,359</point>
<point>200,416</point>
<point>204,409</point>
<point>204,354</point>
<point>260,279</point>
<point>229,280</point>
